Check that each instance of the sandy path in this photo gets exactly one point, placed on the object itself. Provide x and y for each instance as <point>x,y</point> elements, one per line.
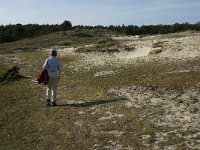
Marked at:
<point>138,52</point>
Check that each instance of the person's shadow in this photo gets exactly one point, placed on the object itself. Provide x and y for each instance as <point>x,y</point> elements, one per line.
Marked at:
<point>78,103</point>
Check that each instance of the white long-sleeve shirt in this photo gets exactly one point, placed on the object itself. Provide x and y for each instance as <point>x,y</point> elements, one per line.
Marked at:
<point>52,64</point>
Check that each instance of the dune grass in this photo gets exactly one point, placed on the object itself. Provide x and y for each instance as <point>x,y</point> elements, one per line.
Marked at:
<point>26,122</point>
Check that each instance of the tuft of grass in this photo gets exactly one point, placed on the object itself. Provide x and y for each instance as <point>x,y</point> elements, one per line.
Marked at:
<point>82,35</point>
<point>65,43</point>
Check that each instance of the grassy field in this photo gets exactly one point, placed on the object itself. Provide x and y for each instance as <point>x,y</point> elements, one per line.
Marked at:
<point>88,116</point>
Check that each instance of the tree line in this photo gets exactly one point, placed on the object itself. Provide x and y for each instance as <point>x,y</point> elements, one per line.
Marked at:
<point>14,32</point>
<point>155,29</point>
<point>147,29</point>
<point>10,33</point>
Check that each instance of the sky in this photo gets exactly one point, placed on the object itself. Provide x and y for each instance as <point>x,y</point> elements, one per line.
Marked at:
<point>99,12</point>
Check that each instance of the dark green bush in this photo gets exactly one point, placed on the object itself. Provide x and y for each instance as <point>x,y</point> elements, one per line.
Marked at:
<point>11,75</point>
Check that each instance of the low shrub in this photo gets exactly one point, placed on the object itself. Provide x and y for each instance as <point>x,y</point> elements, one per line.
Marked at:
<point>11,75</point>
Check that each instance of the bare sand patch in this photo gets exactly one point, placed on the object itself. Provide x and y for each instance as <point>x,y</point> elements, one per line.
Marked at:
<point>177,110</point>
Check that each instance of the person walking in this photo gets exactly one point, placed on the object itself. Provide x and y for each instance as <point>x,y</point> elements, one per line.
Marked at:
<point>53,66</point>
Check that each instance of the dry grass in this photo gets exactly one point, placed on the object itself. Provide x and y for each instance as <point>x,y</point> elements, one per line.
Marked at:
<point>88,115</point>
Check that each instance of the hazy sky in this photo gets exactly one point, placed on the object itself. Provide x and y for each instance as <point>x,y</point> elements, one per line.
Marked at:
<point>99,12</point>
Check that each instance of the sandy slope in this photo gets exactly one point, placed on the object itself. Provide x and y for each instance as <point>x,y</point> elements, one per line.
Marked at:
<point>173,46</point>
<point>174,109</point>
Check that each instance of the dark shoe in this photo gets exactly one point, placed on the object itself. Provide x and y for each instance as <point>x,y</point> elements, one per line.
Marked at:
<point>54,103</point>
<point>48,102</point>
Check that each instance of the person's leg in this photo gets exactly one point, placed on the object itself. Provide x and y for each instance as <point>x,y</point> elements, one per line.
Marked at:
<point>54,88</point>
<point>49,89</point>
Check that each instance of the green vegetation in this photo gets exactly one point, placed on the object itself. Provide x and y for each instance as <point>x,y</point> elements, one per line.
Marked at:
<point>11,33</point>
<point>71,38</point>
<point>11,75</point>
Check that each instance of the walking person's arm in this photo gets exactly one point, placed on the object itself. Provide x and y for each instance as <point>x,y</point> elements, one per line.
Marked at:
<point>45,66</point>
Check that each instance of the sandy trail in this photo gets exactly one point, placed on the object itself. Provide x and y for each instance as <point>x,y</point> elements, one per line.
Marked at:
<point>138,52</point>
